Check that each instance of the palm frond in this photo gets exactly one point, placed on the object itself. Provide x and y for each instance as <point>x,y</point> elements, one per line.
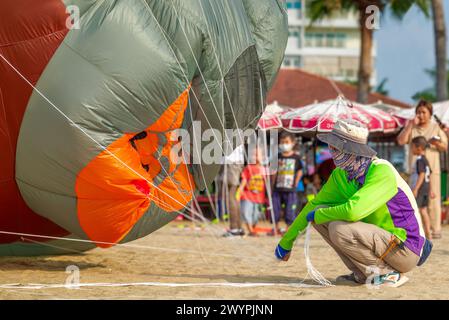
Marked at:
<point>400,7</point>
<point>320,9</point>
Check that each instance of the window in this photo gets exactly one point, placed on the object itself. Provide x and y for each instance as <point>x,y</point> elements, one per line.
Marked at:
<point>350,73</point>
<point>309,40</point>
<point>314,39</point>
<point>292,61</point>
<point>340,40</point>
<point>319,40</point>
<point>297,62</point>
<point>330,40</point>
<point>294,4</point>
<point>293,32</point>
<point>295,35</point>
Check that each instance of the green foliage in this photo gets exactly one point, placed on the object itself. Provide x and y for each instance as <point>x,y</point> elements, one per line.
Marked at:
<point>430,93</point>
<point>319,9</point>
<point>400,7</point>
<point>381,88</point>
<point>351,82</point>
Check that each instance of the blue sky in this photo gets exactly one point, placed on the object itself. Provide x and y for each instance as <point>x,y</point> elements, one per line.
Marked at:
<point>404,50</point>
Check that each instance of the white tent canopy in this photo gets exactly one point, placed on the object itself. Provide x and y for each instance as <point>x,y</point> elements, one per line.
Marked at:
<point>276,108</point>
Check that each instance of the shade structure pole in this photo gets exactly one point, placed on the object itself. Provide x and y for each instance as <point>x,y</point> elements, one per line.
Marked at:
<point>268,184</point>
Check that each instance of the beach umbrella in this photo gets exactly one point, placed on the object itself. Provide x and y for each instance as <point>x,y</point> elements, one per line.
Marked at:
<point>90,102</point>
<point>271,117</point>
<point>392,110</point>
<point>321,117</point>
<point>269,121</point>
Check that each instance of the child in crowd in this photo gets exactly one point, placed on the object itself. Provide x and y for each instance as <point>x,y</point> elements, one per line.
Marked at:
<point>252,192</point>
<point>289,172</point>
<point>421,181</point>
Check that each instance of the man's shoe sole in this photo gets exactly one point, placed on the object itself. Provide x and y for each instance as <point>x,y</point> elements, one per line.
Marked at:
<point>397,284</point>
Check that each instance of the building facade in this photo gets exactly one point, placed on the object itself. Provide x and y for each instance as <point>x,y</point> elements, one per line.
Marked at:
<point>330,47</point>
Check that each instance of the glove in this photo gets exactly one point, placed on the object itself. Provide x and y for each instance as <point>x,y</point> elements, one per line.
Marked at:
<point>311,216</point>
<point>281,253</point>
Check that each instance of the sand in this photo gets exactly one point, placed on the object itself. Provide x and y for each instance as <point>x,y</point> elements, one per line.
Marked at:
<point>201,256</point>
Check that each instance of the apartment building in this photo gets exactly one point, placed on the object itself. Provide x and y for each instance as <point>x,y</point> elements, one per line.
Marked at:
<point>330,47</point>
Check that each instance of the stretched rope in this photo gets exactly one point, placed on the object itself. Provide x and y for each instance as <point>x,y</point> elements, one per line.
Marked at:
<point>37,286</point>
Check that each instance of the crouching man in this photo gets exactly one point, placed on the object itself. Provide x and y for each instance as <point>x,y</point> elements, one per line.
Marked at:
<point>366,212</point>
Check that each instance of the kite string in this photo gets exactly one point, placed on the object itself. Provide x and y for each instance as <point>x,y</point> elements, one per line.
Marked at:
<point>121,244</point>
<point>314,274</point>
<point>249,257</point>
<point>91,138</point>
<point>37,286</point>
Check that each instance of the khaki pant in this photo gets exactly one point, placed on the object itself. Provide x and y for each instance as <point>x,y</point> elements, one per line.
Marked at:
<point>435,204</point>
<point>360,245</point>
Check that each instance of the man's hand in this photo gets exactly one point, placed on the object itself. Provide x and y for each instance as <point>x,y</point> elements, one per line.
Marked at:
<point>281,253</point>
<point>415,193</point>
<point>311,216</point>
<point>432,195</point>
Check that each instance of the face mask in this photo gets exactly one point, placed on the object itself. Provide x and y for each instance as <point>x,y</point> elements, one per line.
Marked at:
<point>285,147</point>
<point>354,165</point>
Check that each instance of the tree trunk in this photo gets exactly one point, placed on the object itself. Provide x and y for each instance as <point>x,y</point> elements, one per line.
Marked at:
<point>439,26</point>
<point>366,61</point>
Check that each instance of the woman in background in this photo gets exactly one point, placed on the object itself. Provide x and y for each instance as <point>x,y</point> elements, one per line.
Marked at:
<point>422,125</point>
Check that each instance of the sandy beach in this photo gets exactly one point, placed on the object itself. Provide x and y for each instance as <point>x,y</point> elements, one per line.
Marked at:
<point>200,264</point>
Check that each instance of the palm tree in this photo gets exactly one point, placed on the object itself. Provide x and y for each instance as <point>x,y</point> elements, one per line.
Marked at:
<point>439,27</point>
<point>319,9</point>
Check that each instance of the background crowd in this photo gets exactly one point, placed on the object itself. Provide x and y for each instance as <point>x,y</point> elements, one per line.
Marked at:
<point>250,192</point>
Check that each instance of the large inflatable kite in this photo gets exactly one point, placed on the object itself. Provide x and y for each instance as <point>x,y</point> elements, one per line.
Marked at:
<point>90,92</point>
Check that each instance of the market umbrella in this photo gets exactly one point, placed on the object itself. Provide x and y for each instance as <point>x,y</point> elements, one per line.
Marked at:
<point>392,110</point>
<point>321,117</point>
<point>271,117</point>
<point>269,121</point>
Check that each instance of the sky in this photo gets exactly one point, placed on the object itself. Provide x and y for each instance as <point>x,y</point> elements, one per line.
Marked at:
<point>405,48</point>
